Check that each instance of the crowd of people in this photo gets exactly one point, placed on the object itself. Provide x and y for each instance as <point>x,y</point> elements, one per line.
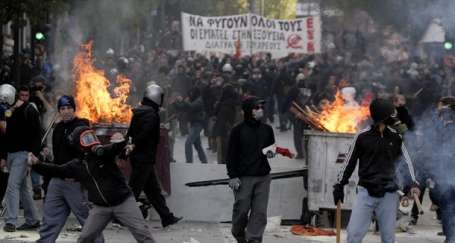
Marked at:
<point>209,95</point>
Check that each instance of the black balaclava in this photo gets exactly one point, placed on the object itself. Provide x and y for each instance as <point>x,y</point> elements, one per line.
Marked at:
<point>381,110</point>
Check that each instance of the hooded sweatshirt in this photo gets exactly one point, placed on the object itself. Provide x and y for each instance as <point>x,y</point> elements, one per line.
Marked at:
<point>246,141</point>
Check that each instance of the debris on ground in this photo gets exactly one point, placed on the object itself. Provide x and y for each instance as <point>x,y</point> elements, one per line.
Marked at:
<point>311,231</point>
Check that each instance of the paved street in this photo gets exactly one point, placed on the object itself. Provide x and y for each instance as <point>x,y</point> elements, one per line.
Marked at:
<point>194,232</point>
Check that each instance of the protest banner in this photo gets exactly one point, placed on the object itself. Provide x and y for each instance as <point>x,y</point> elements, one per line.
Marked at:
<point>249,34</point>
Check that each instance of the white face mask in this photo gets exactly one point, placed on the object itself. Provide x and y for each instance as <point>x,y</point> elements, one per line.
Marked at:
<point>258,114</point>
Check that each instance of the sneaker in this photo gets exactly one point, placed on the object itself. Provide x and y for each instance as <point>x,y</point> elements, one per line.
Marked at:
<point>9,228</point>
<point>440,233</point>
<point>413,221</point>
<point>172,221</point>
<point>27,226</point>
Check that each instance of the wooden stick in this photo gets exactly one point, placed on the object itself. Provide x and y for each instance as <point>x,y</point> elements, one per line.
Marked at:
<point>303,117</point>
<point>309,114</point>
<point>418,203</point>
<point>338,222</point>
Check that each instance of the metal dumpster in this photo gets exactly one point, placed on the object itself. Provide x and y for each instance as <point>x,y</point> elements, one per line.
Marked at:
<point>325,159</point>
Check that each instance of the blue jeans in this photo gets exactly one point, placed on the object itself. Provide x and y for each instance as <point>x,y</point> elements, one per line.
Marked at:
<point>62,198</point>
<point>36,179</point>
<point>385,209</point>
<point>194,138</point>
<point>447,205</point>
<point>19,187</point>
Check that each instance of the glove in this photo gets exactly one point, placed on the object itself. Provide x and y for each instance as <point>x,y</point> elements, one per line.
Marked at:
<point>234,183</point>
<point>270,154</point>
<point>338,193</point>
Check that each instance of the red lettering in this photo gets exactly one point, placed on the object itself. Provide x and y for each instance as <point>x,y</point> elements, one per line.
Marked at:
<point>310,47</point>
<point>310,35</point>
<point>309,23</point>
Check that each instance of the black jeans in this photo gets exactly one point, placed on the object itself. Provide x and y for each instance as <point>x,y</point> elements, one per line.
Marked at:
<point>143,178</point>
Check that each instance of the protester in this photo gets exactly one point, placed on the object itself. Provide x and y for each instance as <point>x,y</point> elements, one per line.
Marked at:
<point>443,146</point>
<point>7,98</point>
<point>194,107</point>
<point>97,171</point>
<point>248,170</point>
<point>23,133</point>
<point>64,195</point>
<point>144,131</point>
<point>377,149</point>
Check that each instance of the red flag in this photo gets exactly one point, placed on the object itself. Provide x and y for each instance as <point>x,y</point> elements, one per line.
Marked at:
<point>238,49</point>
<point>284,151</point>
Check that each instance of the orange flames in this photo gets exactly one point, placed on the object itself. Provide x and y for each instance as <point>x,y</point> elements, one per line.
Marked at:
<point>340,117</point>
<point>93,92</point>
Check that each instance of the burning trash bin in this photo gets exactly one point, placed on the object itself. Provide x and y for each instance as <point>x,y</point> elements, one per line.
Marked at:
<point>327,144</point>
<point>105,104</point>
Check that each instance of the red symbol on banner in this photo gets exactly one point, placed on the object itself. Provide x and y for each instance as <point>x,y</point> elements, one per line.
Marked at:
<point>294,41</point>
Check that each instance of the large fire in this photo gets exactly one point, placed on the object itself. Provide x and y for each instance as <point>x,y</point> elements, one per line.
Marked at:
<point>93,92</point>
<point>340,117</point>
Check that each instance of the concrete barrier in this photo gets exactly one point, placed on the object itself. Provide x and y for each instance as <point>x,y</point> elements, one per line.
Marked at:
<point>214,203</point>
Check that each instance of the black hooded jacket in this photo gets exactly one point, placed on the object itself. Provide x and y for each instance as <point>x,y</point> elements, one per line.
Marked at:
<point>62,150</point>
<point>246,141</point>
<point>100,176</point>
<point>145,133</point>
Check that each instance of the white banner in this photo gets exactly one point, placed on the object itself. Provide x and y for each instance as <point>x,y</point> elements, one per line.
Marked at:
<point>248,34</point>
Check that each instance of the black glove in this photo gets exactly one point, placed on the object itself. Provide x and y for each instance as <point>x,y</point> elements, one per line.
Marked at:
<point>338,193</point>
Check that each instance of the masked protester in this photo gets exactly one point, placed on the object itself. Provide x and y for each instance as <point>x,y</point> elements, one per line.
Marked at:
<point>377,150</point>
<point>64,195</point>
<point>144,131</point>
<point>97,171</point>
<point>248,170</point>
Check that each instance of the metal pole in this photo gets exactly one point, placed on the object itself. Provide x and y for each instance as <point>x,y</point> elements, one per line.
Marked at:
<point>49,128</point>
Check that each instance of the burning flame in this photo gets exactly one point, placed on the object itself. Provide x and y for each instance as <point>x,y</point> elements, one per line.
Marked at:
<point>93,92</point>
<point>341,117</point>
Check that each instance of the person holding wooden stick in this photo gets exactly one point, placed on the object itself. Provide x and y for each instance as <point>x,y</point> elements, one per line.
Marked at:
<point>377,149</point>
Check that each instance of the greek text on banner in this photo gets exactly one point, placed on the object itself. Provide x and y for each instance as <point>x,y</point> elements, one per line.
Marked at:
<point>251,34</point>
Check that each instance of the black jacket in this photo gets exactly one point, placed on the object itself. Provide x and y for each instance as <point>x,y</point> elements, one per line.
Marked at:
<point>195,110</point>
<point>23,131</point>
<point>62,150</point>
<point>145,133</point>
<point>100,176</point>
<point>378,157</point>
<point>244,155</point>
<point>226,111</point>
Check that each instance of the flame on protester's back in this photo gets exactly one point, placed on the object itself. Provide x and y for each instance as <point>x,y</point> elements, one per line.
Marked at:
<point>95,99</point>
